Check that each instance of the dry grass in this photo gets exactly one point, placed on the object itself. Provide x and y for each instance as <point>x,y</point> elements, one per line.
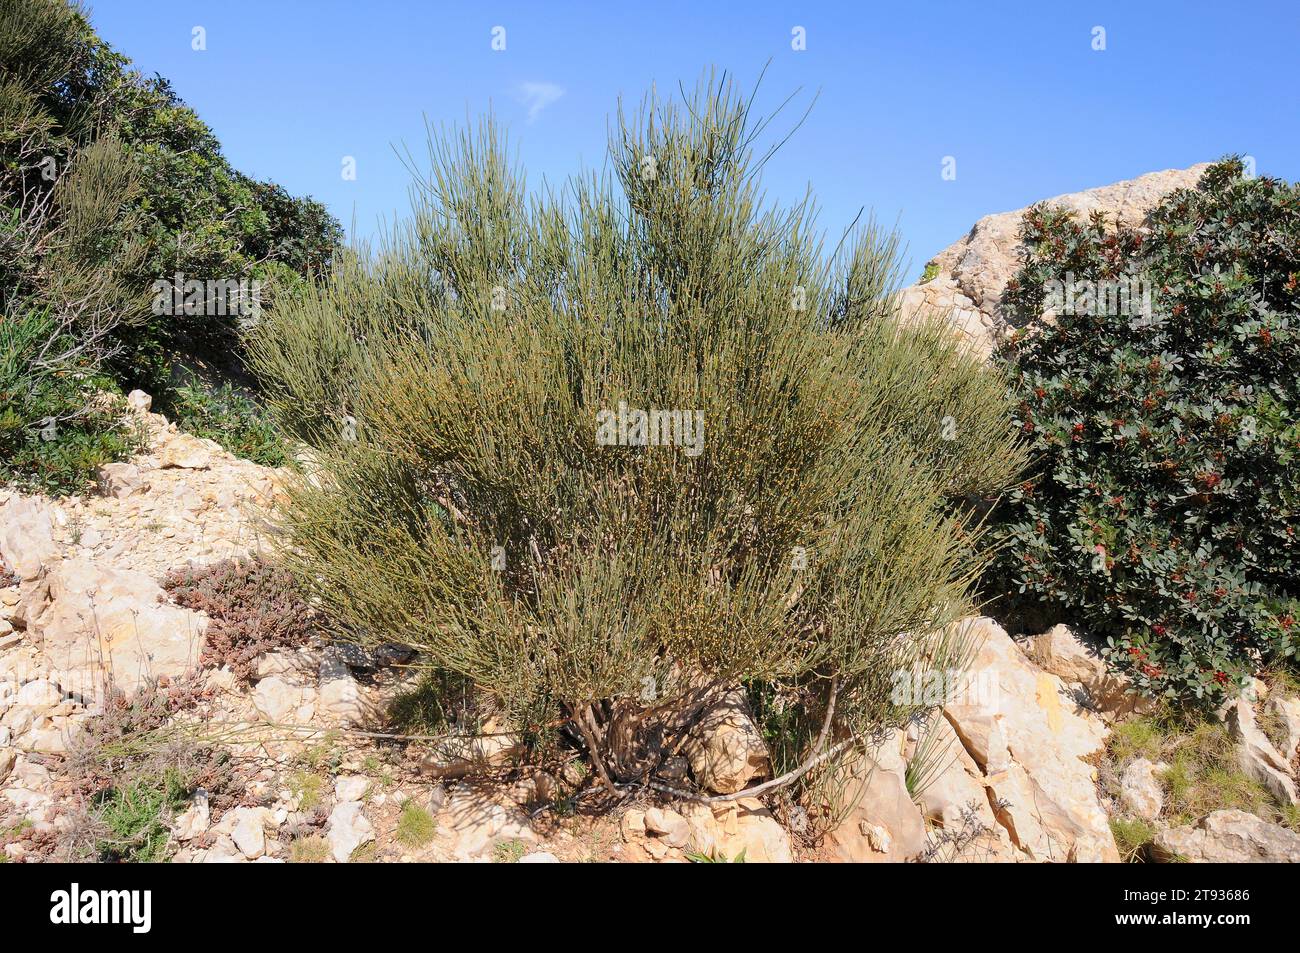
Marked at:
<point>312,849</point>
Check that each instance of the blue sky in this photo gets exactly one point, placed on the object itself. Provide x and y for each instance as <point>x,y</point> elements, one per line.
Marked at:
<point>1014,92</point>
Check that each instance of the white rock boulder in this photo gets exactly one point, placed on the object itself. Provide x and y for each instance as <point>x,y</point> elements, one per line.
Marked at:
<point>885,825</point>
<point>1229,837</point>
<point>741,829</point>
<point>101,621</point>
<point>725,749</point>
<point>1256,754</point>
<point>1140,790</point>
<point>1062,653</point>
<point>26,536</point>
<point>347,830</point>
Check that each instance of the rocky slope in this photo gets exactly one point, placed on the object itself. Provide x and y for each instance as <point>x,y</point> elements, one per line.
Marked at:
<point>1017,744</point>
<point>88,602</point>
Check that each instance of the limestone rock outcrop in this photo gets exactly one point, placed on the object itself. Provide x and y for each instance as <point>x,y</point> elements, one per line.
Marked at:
<point>102,622</point>
<point>725,749</point>
<point>972,274</point>
<point>1256,754</point>
<point>26,536</point>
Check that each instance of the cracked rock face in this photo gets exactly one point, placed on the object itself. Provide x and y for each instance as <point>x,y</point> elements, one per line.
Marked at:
<point>1048,778</point>
<point>1016,752</point>
<point>1256,754</point>
<point>973,273</point>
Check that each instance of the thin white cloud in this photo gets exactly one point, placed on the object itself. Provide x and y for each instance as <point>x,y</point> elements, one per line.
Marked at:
<point>537,96</point>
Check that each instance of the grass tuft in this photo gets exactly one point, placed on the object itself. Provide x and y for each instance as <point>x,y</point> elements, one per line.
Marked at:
<point>509,851</point>
<point>312,849</point>
<point>415,825</point>
<point>1132,835</point>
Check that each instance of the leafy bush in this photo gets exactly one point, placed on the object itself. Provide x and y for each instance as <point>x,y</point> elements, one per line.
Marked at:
<point>1163,512</point>
<point>56,429</point>
<point>253,608</point>
<point>804,526</point>
<point>108,182</point>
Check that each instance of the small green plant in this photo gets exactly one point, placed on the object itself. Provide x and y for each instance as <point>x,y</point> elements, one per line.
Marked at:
<point>309,788</point>
<point>325,755</point>
<point>509,851</point>
<point>367,853</point>
<point>1291,816</point>
<point>1132,835</point>
<point>1141,737</point>
<point>1204,776</point>
<point>717,857</point>
<point>933,756</point>
<point>374,767</point>
<point>232,419</point>
<point>415,825</point>
<point>136,816</point>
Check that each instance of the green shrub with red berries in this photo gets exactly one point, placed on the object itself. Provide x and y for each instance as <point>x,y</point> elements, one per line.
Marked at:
<point>1163,512</point>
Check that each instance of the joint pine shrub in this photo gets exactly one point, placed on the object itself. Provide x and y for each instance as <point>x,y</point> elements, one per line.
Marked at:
<point>1163,511</point>
<point>603,448</point>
